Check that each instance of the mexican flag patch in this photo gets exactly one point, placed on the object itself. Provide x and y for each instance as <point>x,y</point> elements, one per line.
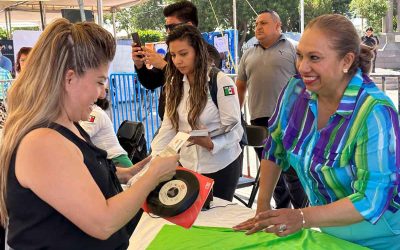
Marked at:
<point>229,90</point>
<point>91,118</point>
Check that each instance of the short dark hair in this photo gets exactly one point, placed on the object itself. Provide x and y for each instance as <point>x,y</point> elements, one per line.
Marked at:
<point>369,29</point>
<point>183,10</point>
<point>273,14</point>
<point>103,103</point>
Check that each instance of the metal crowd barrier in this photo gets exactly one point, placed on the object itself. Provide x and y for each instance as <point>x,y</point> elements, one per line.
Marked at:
<point>384,79</point>
<point>4,85</point>
<point>130,101</point>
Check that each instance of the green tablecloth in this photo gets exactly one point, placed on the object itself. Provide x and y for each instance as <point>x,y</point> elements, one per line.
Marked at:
<point>197,237</point>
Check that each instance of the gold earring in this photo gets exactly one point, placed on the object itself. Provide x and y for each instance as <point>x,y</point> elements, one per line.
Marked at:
<point>345,71</point>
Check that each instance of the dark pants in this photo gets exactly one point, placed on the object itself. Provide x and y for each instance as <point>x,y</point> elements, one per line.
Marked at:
<point>226,180</point>
<point>288,190</point>
<point>2,237</point>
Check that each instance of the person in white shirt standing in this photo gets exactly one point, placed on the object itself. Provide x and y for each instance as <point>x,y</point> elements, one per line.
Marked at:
<point>189,106</point>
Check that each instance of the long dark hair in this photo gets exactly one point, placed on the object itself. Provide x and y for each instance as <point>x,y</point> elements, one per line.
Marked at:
<point>174,85</point>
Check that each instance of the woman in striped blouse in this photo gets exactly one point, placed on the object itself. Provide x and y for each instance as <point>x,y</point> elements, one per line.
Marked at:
<point>341,134</point>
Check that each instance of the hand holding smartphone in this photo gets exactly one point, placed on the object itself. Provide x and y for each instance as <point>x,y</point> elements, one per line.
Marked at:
<point>136,40</point>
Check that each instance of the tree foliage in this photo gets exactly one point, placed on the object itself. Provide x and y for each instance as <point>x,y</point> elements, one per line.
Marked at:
<point>141,17</point>
<point>4,35</point>
<point>372,10</point>
<point>341,7</point>
<point>315,8</point>
<point>149,15</point>
<point>150,36</point>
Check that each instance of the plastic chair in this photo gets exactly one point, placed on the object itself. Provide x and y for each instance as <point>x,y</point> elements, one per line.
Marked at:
<point>255,137</point>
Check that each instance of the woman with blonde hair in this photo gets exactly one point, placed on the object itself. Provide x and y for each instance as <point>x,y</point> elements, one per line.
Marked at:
<point>189,106</point>
<point>58,191</point>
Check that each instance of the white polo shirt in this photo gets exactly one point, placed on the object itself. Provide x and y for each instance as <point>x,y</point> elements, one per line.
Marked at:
<point>101,132</point>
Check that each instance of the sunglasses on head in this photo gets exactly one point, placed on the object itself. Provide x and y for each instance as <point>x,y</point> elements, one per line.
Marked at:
<point>172,26</point>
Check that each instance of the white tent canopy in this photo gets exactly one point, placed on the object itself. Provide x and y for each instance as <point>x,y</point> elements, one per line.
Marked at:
<point>29,11</point>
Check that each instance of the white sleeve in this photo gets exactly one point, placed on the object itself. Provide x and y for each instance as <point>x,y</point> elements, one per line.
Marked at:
<point>95,122</point>
<point>229,112</point>
<point>163,137</point>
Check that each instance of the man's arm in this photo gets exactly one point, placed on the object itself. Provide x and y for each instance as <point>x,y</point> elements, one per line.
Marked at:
<point>149,78</point>
<point>241,89</point>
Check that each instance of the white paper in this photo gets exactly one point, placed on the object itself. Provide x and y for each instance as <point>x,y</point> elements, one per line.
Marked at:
<point>171,149</point>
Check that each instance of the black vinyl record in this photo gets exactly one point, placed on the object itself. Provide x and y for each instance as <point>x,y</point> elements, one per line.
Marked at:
<point>175,196</point>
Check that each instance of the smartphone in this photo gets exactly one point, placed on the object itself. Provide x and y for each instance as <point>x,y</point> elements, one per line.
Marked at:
<point>136,40</point>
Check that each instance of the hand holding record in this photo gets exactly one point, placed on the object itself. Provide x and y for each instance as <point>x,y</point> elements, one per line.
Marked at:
<point>163,168</point>
<point>175,196</point>
<point>171,149</point>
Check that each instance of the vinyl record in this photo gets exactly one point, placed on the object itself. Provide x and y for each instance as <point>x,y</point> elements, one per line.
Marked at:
<point>175,196</point>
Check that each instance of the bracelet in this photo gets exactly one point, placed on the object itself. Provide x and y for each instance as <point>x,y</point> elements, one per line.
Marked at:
<point>302,217</point>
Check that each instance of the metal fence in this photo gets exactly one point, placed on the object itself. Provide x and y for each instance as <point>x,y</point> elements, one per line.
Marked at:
<point>130,101</point>
<point>4,85</point>
<point>384,79</point>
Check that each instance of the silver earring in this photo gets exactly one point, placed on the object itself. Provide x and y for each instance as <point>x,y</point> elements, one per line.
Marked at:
<point>345,71</point>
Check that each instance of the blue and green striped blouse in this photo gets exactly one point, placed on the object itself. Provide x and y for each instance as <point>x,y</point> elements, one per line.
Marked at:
<point>356,155</point>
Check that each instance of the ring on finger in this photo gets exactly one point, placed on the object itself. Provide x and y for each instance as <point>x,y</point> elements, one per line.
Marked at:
<point>281,228</point>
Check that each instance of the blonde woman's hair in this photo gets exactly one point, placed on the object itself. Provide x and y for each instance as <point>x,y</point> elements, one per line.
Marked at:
<point>35,99</point>
<point>199,88</point>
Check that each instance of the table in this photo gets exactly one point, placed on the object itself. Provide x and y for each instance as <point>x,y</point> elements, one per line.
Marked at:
<point>224,213</point>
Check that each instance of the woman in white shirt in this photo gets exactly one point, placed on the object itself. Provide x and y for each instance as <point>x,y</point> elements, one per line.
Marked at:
<point>189,106</point>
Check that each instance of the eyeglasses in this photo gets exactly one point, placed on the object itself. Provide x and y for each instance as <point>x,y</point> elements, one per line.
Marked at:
<point>172,26</point>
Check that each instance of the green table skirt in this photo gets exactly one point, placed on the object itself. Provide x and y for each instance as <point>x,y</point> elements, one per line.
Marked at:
<point>198,237</point>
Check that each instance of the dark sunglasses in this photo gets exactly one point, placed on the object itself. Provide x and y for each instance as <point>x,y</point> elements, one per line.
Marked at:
<point>172,26</point>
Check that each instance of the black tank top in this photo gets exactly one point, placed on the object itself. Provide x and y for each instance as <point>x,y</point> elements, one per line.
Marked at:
<point>33,224</point>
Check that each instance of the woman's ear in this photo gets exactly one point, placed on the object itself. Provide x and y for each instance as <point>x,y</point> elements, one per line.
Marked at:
<point>348,60</point>
<point>69,76</point>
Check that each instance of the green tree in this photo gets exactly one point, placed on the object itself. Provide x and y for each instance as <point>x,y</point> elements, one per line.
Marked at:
<point>372,10</point>
<point>3,34</point>
<point>341,6</point>
<point>140,17</point>
<point>150,36</point>
<point>314,8</point>
<point>149,15</point>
